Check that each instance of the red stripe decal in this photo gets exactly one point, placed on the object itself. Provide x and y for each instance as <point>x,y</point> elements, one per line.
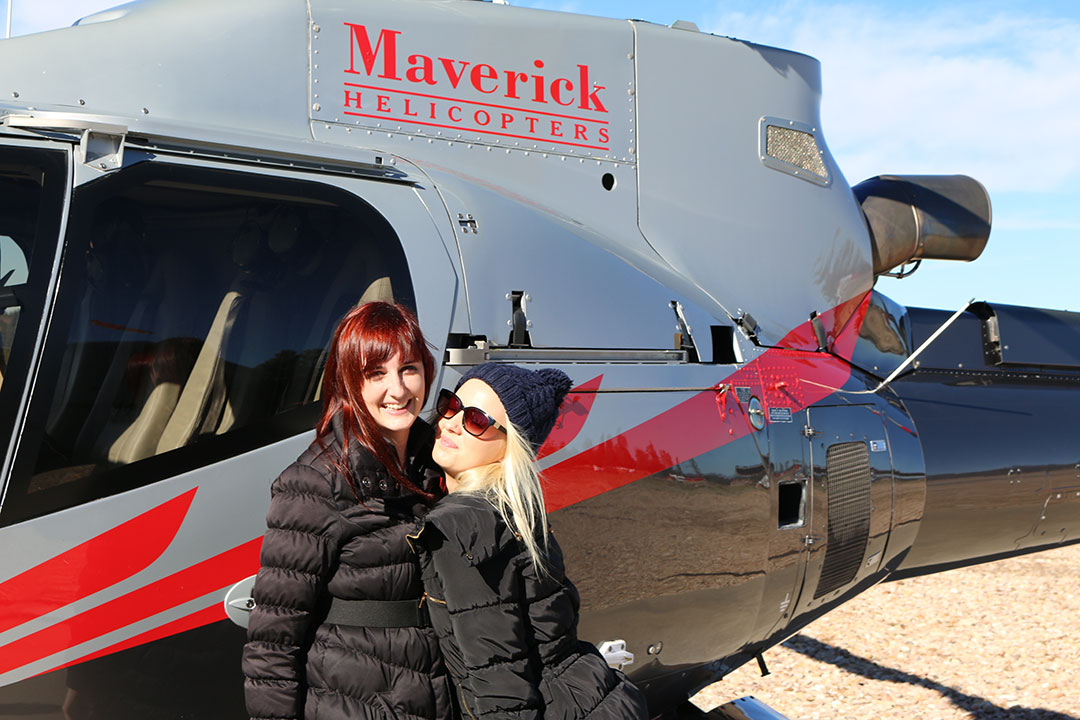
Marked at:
<point>176,589</point>
<point>687,430</point>
<point>206,616</point>
<point>93,565</point>
<point>572,414</point>
<point>837,324</point>
<point>793,379</point>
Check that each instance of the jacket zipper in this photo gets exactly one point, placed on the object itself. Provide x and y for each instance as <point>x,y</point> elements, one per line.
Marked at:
<point>465,704</point>
<point>432,598</point>
<point>410,538</point>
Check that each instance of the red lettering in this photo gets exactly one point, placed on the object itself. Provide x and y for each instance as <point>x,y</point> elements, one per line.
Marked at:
<point>362,41</point>
<point>423,70</point>
<point>532,124</point>
<point>380,59</point>
<point>589,100</point>
<point>408,102</point>
<point>483,72</point>
<point>579,132</point>
<point>538,84</point>
<point>450,113</point>
<point>556,128</point>
<point>455,77</point>
<point>556,93</point>
<point>507,118</point>
<point>512,79</point>
<point>604,136</point>
<point>432,111</point>
<point>478,113</point>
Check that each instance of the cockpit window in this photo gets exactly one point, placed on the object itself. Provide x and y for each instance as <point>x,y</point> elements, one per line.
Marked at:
<point>14,270</point>
<point>20,197</point>
<point>192,324</point>
<point>33,181</point>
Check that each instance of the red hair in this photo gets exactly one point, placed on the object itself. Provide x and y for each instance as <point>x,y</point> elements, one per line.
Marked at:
<point>368,336</point>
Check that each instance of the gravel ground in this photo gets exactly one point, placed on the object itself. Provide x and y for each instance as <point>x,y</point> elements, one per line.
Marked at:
<point>990,642</point>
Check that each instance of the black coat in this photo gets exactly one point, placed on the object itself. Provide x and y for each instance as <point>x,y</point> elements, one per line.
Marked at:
<point>322,543</point>
<point>509,635</point>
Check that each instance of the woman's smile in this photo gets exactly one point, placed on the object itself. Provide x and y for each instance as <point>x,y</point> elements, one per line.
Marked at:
<point>398,408</point>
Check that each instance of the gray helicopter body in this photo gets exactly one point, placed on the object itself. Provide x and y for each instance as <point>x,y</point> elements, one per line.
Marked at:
<point>196,191</point>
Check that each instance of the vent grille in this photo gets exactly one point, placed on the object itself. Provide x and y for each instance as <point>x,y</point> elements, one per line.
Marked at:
<point>795,147</point>
<point>848,471</point>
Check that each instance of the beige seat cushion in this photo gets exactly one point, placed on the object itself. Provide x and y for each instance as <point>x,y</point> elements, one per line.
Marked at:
<point>140,439</point>
<point>205,386</point>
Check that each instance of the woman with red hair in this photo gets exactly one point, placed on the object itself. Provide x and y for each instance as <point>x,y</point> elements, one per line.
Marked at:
<point>337,631</point>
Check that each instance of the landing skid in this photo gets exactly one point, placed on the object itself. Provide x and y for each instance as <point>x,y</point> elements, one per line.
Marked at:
<point>745,708</point>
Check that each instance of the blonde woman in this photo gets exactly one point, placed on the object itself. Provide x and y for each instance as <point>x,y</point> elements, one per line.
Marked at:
<point>502,608</point>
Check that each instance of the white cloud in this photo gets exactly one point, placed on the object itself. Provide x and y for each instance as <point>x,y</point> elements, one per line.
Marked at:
<point>938,90</point>
<point>1020,221</point>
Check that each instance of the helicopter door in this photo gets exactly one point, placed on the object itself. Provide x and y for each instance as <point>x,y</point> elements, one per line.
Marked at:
<point>180,372</point>
<point>849,501</point>
<point>34,188</point>
<point>789,489</point>
<point>193,315</point>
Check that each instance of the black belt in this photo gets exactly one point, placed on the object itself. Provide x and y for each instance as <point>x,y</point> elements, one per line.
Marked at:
<point>378,613</point>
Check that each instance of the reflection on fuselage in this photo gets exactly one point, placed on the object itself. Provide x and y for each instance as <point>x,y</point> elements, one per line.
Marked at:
<point>674,557</point>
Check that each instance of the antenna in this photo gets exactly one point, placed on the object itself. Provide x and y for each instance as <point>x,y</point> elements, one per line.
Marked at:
<point>9,4</point>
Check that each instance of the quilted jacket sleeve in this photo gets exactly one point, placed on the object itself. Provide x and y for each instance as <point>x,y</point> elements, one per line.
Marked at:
<point>303,537</point>
<point>489,622</point>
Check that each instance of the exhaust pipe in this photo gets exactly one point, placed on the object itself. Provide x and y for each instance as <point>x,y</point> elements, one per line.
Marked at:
<point>915,217</point>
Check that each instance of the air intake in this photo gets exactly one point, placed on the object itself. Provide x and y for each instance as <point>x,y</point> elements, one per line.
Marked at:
<point>848,470</point>
<point>793,148</point>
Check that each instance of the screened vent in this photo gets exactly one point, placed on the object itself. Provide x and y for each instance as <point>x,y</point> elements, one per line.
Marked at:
<point>848,470</point>
<point>793,148</point>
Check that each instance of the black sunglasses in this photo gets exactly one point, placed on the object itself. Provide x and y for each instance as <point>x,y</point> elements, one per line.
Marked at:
<point>475,421</point>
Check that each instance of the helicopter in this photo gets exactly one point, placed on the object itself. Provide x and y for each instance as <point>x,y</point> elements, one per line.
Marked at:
<point>195,192</point>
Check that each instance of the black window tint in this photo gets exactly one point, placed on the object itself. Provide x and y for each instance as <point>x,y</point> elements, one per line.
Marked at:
<point>21,189</point>
<point>33,182</point>
<point>193,320</point>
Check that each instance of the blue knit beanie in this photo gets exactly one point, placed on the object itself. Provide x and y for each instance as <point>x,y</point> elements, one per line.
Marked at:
<point>531,397</point>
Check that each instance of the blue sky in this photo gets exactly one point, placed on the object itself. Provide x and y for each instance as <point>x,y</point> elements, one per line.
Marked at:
<point>990,89</point>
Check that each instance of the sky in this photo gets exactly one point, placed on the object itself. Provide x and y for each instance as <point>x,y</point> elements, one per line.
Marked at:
<point>986,88</point>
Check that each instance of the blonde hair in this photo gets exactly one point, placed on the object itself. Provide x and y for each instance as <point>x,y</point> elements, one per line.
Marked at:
<point>512,485</point>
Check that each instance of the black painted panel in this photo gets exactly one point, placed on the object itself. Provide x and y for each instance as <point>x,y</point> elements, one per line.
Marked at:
<point>194,675</point>
<point>959,347</point>
<point>991,440</point>
<point>1032,336</point>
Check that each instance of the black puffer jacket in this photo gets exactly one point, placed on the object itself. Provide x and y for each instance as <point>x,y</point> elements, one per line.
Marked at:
<point>509,636</point>
<point>321,543</point>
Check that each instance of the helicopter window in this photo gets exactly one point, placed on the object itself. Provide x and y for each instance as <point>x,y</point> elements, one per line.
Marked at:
<point>21,190</point>
<point>33,182</point>
<point>194,312</point>
<point>13,274</point>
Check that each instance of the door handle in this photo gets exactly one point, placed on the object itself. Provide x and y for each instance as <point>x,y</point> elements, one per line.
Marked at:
<point>239,603</point>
